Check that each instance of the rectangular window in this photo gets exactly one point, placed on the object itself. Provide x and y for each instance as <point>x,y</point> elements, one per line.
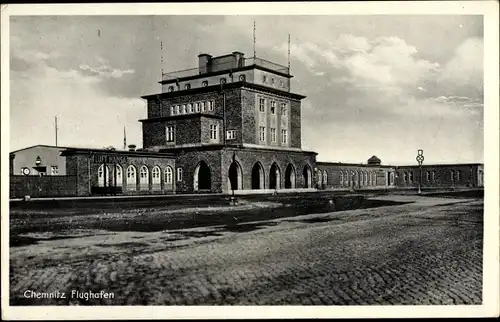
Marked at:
<point>273,107</point>
<point>410,177</point>
<point>284,138</point>
<point>262,133</point>
<point>202,104</point>
<point>458,175</point>
<point>452,175</point>
<point>172,110</point>
<point>178,110</point>
<point>170,133</point>
<point>273,135</point>
<point>190,108</point>
<point>262,105</point>
<point>197,107</point>
<point>428,174</point>
<point>183,109</point>
<point>210,105</point>
<point>283,109</point>
<point>54,170</point>
<point>231,135</point>
<point>213,131</point>
<point>404,177</point>
<point>433,175</point>
<point>179,174</point>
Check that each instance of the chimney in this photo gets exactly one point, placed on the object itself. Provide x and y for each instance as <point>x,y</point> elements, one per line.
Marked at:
<point>239,59</point>
<point>204,63</point>
<point>131,147</point>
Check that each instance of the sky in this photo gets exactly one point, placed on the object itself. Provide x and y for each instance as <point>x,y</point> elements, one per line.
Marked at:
<point>383,85</point>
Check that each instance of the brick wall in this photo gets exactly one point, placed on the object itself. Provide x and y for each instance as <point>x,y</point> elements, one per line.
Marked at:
<point>295,124</point>
<point>248,116</point>
<point>204,128</point>
<point>376,176</point>
<point>247,158</point>
<point>188,160</point>
<point>468,175</point>
<point>234,114</point>
<point>188,129</point>
<point>79,166</point>
<point>153,134</point>
<point>44,186</point>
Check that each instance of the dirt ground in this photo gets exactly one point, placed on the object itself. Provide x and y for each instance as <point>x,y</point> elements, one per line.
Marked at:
<point>393,250</point>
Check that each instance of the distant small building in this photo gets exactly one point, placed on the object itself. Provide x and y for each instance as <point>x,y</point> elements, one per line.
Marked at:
<point>374,161</point>
<point>38,160</point>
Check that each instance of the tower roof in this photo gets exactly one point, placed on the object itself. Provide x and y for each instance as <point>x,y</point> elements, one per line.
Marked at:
<point>374,160</point>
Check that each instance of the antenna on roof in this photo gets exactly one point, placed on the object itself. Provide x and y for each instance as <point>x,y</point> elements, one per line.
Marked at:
<point>124,139</point>
<point>161,58</point>
<point>56,128</point>
<point>254,39</point>
<point>288,53</point>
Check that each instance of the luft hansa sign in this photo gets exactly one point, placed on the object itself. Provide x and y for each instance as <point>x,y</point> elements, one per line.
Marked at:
<point>102,158</point>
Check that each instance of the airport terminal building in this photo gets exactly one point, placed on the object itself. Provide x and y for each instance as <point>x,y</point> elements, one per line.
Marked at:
<point>230,125</point>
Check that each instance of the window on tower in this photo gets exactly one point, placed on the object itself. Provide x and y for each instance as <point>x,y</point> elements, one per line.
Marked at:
<point>231,135</point>
<point>262,105</point>
<point>284,109</point>
<point>284,138</point>
<point>179,174</point>
<point>213,132</point>
<point>273,107</point>
<point>169,133</point>
<point>262,133</point>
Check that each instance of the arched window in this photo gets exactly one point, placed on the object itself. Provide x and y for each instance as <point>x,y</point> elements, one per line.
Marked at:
<point>374,178</point>
<point>325,178</point>
<point>366,178</point>
<point>168,175</point>
<point>119,175</point>
<point>341,177</point>
<point>156,178</point>
<point>144,178</point>
<point>131,178</point>
<point>102,178</point>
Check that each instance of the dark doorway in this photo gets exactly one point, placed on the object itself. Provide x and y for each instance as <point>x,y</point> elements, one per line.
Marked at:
<point>235,176</point>
<point>257,176</point>
<point>202,180</point>
<point>290,177</point>
<point>307,176</point>
<point>274,177</point>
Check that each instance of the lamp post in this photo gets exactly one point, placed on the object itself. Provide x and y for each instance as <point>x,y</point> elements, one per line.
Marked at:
<point>233,200</point>
<point>420,160</point>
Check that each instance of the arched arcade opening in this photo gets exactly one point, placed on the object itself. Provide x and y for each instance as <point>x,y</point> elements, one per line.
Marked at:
<point>257,176</point>
<point>290,177</point>
<point>235,176</point>
<point>306,173</point>
<point>274,177</point>
<point>202,177</point>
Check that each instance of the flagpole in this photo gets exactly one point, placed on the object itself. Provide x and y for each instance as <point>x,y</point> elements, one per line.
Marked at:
<point>56,128</point>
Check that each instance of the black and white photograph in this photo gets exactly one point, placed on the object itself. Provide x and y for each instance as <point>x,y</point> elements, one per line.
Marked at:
<point>250,160</point>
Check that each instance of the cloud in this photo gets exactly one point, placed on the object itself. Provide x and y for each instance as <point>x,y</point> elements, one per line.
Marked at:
<point>463,73</point>
<point>105,71</point>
